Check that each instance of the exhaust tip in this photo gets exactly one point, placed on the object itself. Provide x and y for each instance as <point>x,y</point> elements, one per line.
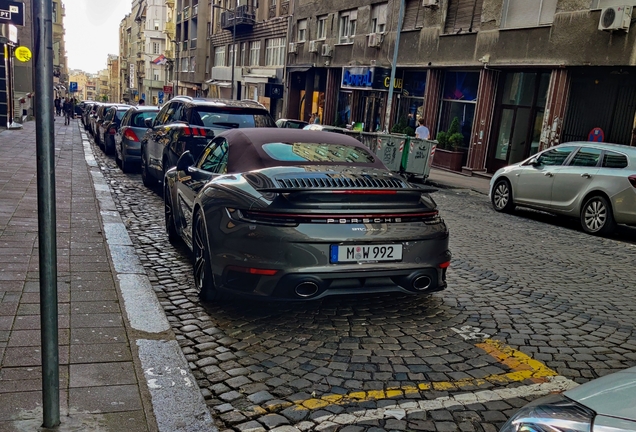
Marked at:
<point>421,283</point>
<point>306,289</point>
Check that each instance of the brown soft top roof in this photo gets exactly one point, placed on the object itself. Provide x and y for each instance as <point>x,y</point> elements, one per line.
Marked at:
<point>246,152</point>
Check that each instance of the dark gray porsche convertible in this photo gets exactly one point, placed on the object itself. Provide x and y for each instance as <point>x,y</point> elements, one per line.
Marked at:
<point>299,215</point>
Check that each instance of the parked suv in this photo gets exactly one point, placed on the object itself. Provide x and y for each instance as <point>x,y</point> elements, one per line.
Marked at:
<point>186,123</point>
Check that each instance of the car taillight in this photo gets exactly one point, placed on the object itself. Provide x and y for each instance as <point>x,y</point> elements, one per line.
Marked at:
<point>129,134</point>
<point>632,180</point>
<point>112,131</point>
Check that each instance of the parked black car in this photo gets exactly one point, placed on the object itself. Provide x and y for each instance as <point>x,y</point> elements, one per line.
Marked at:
<point>109,127</point>
<point>186,123</point>
<point>96,118</point>
<point>128,138</point>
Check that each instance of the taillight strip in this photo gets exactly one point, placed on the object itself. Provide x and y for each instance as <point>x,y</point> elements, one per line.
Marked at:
<point>341,216</point>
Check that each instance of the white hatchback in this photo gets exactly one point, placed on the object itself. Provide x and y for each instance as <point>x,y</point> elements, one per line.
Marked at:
<point>594,182</point>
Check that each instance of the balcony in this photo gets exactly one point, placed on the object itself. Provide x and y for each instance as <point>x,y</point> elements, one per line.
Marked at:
<point>244,18</point>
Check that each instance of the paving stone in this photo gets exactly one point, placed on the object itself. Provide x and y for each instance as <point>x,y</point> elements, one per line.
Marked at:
<point>260,397</point>
<point>273,420</point>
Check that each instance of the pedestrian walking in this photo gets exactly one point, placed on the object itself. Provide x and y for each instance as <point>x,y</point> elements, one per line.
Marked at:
<point>422,131</point>
<point>67,107</point>
<point>142,102</point>
<point>58,106</point>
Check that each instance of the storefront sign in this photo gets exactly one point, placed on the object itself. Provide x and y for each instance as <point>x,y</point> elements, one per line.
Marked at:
<point>131,76</point>
<point>397,83</point>
<point>367,78</point>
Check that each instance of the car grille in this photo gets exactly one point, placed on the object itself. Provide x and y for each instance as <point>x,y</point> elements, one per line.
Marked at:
<point>333,182</point>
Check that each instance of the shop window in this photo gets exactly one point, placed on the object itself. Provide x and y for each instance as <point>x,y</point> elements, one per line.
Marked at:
<point>347,29</point>
<point>411,103</point>
<point>322,28</point>
<point>275,52</point>
<point>302,30</point>
<point>458,100</point>
<point>463,16</point>
<point>524,13</point>
<point>378,18</point>
<point>219,56</point>
<point>343,116</point>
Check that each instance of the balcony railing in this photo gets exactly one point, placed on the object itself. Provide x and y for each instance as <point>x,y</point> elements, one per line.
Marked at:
<point>245,18</point>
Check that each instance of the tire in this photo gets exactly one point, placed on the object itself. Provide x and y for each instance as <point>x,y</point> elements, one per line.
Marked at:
<point>117,159</point>
<point>146,177</point>
<point>597,217</point>
<point>203,279</point>
<point>171,226</point>
<point>501,197</point>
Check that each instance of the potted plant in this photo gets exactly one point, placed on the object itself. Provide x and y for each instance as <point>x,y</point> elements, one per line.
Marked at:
<point>448,154</point>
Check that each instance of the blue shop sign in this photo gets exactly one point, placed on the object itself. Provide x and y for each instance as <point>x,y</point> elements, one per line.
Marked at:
<point>364,78</point>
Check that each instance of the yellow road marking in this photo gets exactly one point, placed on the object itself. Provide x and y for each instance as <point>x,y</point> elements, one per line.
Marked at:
<point>522,368</point>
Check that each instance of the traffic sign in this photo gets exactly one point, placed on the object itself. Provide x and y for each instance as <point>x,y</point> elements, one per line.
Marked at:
<point>596,135</point>
<point>160,100</point>
<point>12,12</point>
<point>72,87</point>
<point>23,54</point>
<point>160,95</point>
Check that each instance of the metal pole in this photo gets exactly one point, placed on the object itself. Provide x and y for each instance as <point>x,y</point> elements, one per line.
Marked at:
<point>45,140</point>
<point>389,103</point>
<point>233,49</point>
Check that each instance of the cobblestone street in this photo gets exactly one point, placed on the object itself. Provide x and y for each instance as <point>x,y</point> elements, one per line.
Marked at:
<point>532,301</point>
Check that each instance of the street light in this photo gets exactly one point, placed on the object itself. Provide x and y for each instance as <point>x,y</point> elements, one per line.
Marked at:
<point>233,39</point>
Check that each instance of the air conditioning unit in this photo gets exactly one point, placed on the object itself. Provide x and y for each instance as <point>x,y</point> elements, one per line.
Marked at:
<point>430,3</point>
<point>375,40</point>
<point>313,46</point>
<point>615,18</point>
<point>326,50</point>
<point>293,48</point>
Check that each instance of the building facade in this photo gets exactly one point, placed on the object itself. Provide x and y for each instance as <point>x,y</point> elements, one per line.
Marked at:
<point>82,79</point>
<point>192,30</point>
<point>113,78</point>
<point>248,52</point>
<point>519,76</point>
<point>60,62</point>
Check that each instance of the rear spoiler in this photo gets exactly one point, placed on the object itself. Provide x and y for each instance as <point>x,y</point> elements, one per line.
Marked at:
<point>352,191</point>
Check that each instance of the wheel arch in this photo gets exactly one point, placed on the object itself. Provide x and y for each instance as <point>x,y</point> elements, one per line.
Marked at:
<point>593,193</point>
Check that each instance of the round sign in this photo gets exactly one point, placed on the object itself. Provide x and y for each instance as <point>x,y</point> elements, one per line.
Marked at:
<point>596,135</point>
<point>23,54</point>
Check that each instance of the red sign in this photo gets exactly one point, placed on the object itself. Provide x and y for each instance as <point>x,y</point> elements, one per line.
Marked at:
<point>167,89</point>
<point>596,135</point>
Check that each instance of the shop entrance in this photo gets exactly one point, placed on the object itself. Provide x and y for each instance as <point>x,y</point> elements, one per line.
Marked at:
<point>519,117</point>
<point>372,107</point>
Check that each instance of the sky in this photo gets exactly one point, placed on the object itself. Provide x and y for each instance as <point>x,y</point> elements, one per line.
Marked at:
<point>92,31</point>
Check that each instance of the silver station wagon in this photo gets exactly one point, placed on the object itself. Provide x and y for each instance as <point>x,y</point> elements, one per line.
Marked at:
<point>594,182</point>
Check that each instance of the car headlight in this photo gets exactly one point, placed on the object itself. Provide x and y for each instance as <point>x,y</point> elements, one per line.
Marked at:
<point>554,413</point>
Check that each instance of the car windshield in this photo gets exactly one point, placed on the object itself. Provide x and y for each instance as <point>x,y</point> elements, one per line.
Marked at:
<point>316,152</point>
<point>140,118</point>
<point>220,118</point>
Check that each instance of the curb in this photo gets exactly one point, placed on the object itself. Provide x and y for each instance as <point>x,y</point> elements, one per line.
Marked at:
<point>177,402</point>
<point>447,186</point>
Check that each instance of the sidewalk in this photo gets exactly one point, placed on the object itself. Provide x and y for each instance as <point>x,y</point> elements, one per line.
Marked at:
<point>452,180</point>
<point>120,365</point>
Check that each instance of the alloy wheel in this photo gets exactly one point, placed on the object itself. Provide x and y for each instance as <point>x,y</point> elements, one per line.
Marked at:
<point>200,263</point>
<point>171,229</point>
<point>501,195</point>
<point>595,215</point>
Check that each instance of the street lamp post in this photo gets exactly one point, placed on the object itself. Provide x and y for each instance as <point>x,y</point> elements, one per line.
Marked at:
<point>233,41</point>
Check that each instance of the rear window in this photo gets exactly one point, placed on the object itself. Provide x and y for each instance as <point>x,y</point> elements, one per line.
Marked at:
<point>121,114</point>
<point>140,118</point>
<point>221,118</point>
<point>315,152</point>
<point>614,160</point>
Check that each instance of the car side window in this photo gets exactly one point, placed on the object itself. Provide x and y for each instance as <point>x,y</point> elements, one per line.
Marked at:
<point>586,157</point>
<point>164,114</point>
<point>214,158</point>
<point>109,115</point>
<point>177,113</point>
<point>555,156</point>
<point>614,160</point>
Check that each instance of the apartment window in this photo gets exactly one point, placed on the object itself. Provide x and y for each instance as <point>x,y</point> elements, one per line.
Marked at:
<point>524,13</point>
<point>347,29</point>
<point>322,28</point>
<point>230,56</point>
<point>275,52</point>
<point>207,65</point>
<point>155,75</point>
<point>378,18</point>
<point>54,12</point>
<point>219,56</point>
<point>302,30</point>
<point>156,48</point>
<point>156,24</point>
<point>255,52</point>
<point>464,16</point>
<point>243,51</point>
<point>273,2</point>
<point>185,64</point>
<point>193,63</point>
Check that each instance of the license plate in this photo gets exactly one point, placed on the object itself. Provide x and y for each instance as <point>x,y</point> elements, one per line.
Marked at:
<point>365,253</point>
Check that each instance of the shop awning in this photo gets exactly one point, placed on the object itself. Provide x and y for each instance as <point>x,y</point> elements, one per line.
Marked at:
<point>217,83</point>
<point>299,68</point>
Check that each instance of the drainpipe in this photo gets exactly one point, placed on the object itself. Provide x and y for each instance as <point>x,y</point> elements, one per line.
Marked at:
<point>389,103</point>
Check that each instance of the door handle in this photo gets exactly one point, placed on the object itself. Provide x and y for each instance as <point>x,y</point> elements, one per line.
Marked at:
<point>548,174</point>
<point>586,175</point>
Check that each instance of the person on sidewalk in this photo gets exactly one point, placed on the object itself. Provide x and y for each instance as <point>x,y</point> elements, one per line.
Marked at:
<point>142,102</point>
<point>58,106</point>
<point>422,131</point>
<point>67,107</point>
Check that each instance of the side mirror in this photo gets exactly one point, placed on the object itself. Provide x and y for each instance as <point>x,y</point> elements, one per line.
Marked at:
<point>148,122</point>
<point>535,162</point>
<point>185,161</point>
